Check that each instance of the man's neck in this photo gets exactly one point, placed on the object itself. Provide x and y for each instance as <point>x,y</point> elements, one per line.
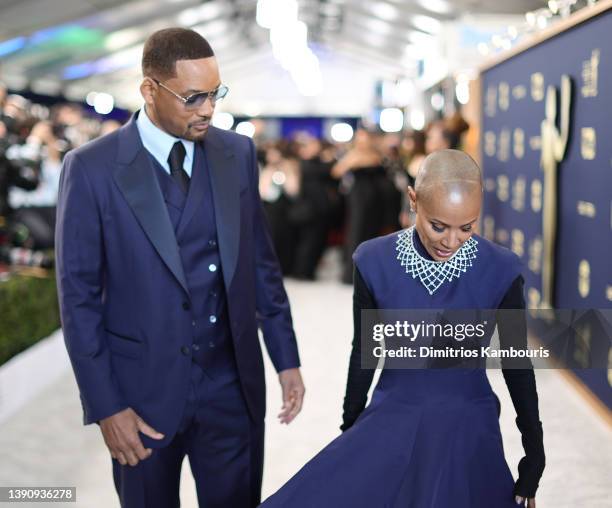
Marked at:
<point>151,116</point>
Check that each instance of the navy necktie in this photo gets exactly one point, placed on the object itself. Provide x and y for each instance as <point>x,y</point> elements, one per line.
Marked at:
<point>175,160</point>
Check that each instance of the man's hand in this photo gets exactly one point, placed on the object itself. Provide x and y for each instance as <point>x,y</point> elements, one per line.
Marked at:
<point>120,433</point>
<point>293,394</point>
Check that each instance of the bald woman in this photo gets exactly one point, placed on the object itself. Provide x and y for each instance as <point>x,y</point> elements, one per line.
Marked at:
<point>430,437</point>
<point>447,197</point>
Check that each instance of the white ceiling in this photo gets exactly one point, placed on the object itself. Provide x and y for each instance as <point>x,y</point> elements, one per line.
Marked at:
<point>355,40</point>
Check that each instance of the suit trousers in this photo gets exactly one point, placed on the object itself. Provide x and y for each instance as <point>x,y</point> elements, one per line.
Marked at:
<point>223,444</point>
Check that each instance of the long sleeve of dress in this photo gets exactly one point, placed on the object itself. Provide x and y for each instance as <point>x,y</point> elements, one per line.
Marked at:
<point>520,380</point>
<point>359,380</point>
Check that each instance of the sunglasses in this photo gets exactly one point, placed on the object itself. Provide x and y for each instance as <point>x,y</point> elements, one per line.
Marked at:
<point>196,100</point>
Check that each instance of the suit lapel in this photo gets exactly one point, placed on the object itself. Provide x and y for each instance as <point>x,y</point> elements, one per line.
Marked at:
<point>225,178</point>
<point>135,178</point>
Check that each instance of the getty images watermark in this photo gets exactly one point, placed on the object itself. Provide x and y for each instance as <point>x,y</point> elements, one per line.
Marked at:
<point>459,332</point>
<point>469,338</point>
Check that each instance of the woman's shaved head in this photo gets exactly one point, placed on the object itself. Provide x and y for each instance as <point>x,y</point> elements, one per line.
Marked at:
<point>447,197</point>
<point>452,171</point>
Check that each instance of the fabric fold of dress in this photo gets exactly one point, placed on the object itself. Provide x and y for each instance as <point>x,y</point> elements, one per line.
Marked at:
<point>430,438</point>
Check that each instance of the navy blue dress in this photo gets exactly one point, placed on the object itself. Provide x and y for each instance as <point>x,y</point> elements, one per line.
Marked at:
<point>429,438</point>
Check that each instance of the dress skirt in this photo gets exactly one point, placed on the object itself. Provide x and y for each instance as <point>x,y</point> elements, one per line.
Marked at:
<point>428,439</point>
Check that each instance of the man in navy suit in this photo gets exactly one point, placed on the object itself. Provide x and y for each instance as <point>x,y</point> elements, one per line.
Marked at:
<point>165,270</point>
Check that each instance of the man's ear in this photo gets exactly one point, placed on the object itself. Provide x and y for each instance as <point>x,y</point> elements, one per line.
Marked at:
<point>412,198</point>
<point>148,89</point>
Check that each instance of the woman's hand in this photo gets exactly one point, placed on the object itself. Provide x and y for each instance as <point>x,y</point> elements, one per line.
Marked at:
<point>521,501</point>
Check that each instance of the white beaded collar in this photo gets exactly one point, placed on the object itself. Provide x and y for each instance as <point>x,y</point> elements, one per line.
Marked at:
<point>433,274</point>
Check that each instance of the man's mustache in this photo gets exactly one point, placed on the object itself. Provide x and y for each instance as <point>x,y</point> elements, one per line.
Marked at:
<point>200,120</point>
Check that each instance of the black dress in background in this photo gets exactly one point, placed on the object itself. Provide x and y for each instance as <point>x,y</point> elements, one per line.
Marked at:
<point>281,230</point>
<point>366,212</point>
<point>312,215</point>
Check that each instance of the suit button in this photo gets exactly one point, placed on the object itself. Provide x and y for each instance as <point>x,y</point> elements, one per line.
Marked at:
<point>213,319</point>
<point>195,347</point>
<point>186,305</point>
<point>211,344</point>
<point>212,267</point>
<point>212,243</point>
<point>186,350</point>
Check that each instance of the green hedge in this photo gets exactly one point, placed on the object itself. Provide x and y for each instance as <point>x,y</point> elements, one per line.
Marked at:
<point>28,313</point>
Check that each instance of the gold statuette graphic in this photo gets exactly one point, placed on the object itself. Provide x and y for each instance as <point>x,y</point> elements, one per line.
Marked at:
<point>519,92</point>
<point>533,299</point>
<point>588,143</point>
<point>535,255</point>
<point>491,104</point>
<point>518,194</point>
<point>489,143</point>
<point>535,143</point>
<point>503,145</point>
<point>554,145</point>
<point>590,75</point>
<point>584,278</point>
<point>586,209</point>
<point>518,242</point>
<point>503,187</point>
<point>504,96</point>
<point>537,86</point>
<point>502,236</point>
<point>536,195</point>
<point>519,143</point>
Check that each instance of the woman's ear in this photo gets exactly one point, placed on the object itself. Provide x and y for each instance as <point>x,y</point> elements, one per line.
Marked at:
<point>412,198</point>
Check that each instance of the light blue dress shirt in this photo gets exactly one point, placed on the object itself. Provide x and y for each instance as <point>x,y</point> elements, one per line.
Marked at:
<point>159,143</point>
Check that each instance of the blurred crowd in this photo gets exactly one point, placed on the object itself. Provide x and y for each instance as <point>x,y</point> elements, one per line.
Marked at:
<point>33,141</point>
<point>316,194</point>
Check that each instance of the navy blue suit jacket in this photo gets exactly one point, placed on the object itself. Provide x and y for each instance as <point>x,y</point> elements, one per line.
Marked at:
<point>122,287</point>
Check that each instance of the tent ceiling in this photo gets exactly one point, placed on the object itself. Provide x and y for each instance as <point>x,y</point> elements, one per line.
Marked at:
<point>67,42</point>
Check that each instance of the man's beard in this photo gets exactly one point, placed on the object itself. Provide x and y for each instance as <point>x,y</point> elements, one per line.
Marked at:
<point>193,134</point>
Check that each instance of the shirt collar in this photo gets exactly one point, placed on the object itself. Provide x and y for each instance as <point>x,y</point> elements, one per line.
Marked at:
<point>159,143</point>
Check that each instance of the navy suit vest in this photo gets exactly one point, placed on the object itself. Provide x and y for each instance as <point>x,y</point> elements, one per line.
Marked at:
<point>193,220</point>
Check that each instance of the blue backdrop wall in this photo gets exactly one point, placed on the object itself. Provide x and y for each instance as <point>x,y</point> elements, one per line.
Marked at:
<point>514,107</point>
